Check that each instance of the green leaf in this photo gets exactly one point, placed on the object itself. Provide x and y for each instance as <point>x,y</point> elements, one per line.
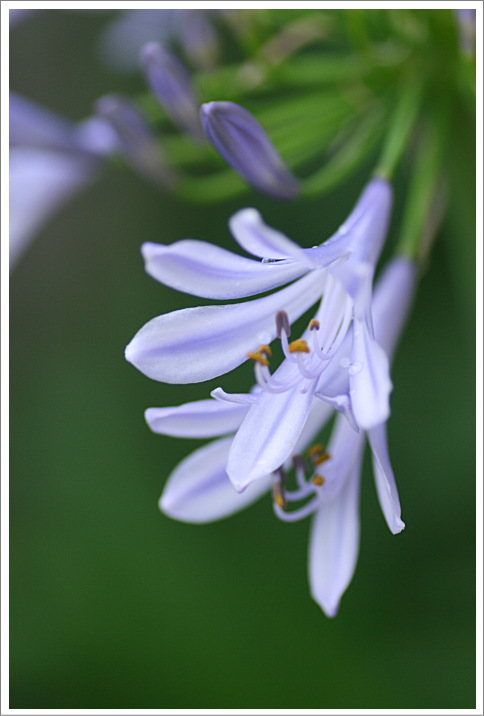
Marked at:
<point>356,147</point>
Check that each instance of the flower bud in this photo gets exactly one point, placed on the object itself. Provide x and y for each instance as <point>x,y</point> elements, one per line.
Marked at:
<point>171,83</point>
<point>199,39</point>
<point>244,144</point>
<point>136,140</point>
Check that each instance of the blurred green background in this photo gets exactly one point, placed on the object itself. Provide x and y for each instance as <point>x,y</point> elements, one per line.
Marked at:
<point>114,605</point>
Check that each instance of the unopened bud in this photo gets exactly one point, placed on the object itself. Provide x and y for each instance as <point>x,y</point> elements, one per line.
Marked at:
<point>136,140</point>
<point>172,85</point>
<point>244,144</point>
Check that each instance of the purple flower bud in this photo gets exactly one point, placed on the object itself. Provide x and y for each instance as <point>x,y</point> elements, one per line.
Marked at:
<point>244,144</point>
<point>199,39</point>
<point>173,87</point>
<point>137,141</point>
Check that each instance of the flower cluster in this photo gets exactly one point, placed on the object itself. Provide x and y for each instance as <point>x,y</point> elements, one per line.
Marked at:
<point>284,116</point>
<point>340,363</point>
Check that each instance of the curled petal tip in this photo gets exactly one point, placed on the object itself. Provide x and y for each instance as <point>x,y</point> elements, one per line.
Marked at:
<point>398,526</point>
<point>149,250</point>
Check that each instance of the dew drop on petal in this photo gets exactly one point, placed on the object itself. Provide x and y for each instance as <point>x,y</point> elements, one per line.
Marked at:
<point>355,368</point>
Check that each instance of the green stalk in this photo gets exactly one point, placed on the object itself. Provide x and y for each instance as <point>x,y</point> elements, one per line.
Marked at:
<point>401,124</point>
<point>426,197</point>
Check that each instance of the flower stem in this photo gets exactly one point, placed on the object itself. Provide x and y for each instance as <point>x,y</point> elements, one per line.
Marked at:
<point>427,196</point>
<point>401,125</point>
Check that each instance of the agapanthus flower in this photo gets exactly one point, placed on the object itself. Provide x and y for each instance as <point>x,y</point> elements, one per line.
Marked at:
<point>198,344</point>
<point>327,480</point>
<point>51,160</point>
<point>243,143</point>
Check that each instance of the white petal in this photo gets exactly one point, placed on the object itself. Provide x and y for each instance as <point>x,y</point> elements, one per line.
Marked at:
<point>246,399</point>
<point>199,490</point>
<point>319,414</point>
<point>41,181</point>
<point>384,479</point>
<point>333,546</point>
<point>346,449</point>
<point>342,404</point>
<point>268,435</point>
<point>393,297</point>
<point>258,239</point>
<point>197,344</point>
<point>206,270</point>
<point>370,383</point>
<point>199,419</point>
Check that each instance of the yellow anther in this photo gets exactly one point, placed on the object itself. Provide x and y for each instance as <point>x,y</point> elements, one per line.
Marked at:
<point>299,346</point>
<point>318,454</point>
<point>318,480</point>
<point>317,448</point>
<point>278,496</point>
<point>314,324</point>
<point>261,355</point>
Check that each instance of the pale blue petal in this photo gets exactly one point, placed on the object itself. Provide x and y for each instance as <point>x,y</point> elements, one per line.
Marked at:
<point>319,414</point>
<point>393,298</point>
<point>238,398</point>
<point>258,239</point>
<point>199,490</point>
<point>334,544</point>
<point>268,435</point>
<point>199,419</point>
<point>342,404</point>
<point>34,126</point>
<point>197,344</point>
<point>370,383</point>
<point>368,222</point>
<point>41,181</point>
<point>345,449</point>
<point>206,270</point>
<point>384,479</point>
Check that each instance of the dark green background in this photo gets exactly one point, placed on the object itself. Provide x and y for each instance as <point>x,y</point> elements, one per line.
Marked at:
<point>113,605</point>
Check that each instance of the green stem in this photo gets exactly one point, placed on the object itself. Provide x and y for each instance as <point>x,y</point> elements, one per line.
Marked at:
<point>426,198</point>
<point>401,125</point>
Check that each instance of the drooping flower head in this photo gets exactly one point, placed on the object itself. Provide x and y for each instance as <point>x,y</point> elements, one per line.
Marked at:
<point>327,480</point>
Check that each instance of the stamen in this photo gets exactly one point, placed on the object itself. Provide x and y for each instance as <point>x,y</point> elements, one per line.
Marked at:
<point>318,480</point>
<point>301,469</point>
<point>314,324</point>
<point>317,454</point>
<point>282,324</point>
<point>267,382</point>
<point>302,364</point>
<point>296,515</point>
<point>299,346</point>
<point>261,355</point>
<point>278,494</point>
